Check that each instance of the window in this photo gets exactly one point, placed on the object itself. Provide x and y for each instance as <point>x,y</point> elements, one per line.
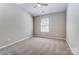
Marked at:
<point>44,25</point>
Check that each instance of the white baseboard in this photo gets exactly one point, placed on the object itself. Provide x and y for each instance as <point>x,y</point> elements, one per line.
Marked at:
<point>70,47</point>
<point>75,51</point>
<point>15,42</point>
<point>51,37</point>
<point>58,38</point>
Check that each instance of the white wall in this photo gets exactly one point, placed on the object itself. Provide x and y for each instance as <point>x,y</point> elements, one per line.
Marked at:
<point>73,27</point>
<point>15,24</point>
<point>57,26</point>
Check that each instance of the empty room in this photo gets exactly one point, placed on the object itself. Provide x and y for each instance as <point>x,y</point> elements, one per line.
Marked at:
<point>39,29</point>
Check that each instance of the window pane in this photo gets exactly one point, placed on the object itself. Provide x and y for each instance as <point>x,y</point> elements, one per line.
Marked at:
<point>45,25</point>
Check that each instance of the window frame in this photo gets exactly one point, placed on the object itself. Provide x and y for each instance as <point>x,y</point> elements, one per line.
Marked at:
<point>44,24</point>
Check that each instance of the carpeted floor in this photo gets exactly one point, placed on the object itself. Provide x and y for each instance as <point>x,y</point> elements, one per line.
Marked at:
<point>38,46</point>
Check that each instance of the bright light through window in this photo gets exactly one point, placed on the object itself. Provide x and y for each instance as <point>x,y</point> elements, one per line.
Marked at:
<point>45,25</point>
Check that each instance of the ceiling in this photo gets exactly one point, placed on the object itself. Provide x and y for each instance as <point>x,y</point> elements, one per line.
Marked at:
<point>51,8</point>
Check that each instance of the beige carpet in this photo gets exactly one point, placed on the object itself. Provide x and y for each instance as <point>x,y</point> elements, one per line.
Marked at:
<point>38,46</point>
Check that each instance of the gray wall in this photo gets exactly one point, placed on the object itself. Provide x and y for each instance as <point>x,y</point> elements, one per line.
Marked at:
<point>73,27</point>
<point>15,24</point>
<point>57,25</point>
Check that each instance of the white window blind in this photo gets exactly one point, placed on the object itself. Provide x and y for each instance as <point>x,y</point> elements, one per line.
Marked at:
<point>45,25</point>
